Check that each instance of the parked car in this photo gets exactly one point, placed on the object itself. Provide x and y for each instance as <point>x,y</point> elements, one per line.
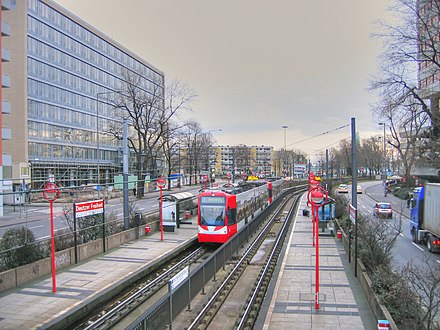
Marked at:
<point>383,210</point>
<point>343,188</point>
<point>359,189</point>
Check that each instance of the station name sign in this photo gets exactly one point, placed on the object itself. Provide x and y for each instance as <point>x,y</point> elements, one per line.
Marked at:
<point>89,208</point>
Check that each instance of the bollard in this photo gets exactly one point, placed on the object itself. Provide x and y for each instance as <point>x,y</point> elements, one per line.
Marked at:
<point>147,229</point>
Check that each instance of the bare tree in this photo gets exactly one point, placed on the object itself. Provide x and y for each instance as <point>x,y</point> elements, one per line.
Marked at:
<point>406,122</point>
<point>370,155</point>
<point>376,241</point>
<point>150,113</point>
<point>425,283</point>
<point>242,158</point>
<point>196,144</point>
<point>411,47</point>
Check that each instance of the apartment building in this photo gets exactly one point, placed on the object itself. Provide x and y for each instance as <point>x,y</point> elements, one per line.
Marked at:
<point>62,72</point>
<point>242,158</point>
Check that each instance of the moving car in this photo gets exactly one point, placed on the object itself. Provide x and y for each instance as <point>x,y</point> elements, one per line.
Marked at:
<point>383,210</point>
<point>343,188</point>
<point>359,189</point>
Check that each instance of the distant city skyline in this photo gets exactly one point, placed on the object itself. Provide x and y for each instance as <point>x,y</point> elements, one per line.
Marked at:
<point>258,65</point>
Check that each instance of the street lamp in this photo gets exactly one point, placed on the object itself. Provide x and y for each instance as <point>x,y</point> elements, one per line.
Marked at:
<point>284,127</point>
<point>317,197</point>
<point>209,153</point>
<point>384,152</point>
<point>97,137</point>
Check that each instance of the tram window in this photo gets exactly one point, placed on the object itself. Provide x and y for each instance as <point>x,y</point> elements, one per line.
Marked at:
<point>232,216</point>
<point>212,216</point>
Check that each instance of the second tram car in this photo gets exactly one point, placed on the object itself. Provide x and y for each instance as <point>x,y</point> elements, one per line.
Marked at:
<point>222,214</point>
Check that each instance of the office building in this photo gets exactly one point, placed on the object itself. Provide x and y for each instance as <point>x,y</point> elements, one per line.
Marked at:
<point>5,159</point>
<point>62,72</point>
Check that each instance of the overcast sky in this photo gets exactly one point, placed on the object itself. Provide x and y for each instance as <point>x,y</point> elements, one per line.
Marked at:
<point>257,65</point>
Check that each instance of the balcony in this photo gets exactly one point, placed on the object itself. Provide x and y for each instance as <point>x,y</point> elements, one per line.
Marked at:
<point>6,81</point>
<point>8,4</point>
<point>6,29</point>
<point>6,133</point>
<point>6,107</point>
<point>6,55</point>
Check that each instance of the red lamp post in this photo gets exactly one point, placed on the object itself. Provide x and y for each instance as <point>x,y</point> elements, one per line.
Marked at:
<point>317,197</point>
<point>228,175</point>
<point>51,193</point>
<point>161,184</point>
<point>205,180</point>
<point>313,184</point>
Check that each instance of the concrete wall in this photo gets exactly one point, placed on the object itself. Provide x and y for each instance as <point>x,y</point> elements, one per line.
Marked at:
<point>379,311</point>
<point>21,275</point>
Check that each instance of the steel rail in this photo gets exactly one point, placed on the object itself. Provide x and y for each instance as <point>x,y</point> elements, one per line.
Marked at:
<point>266,270</point>
<point>106,320</point>
<point>233,272</point>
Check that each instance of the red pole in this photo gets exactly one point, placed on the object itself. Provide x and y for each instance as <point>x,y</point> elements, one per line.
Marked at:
<point>313,224</point>
<point>54,281</point>
<point>160,215</point>
<point>317,259</point>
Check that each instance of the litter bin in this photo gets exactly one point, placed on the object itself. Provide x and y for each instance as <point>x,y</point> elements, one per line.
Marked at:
<point>147,229</point>
<point>339,234</point>
<point>138,218</point>
<point>305,213</point>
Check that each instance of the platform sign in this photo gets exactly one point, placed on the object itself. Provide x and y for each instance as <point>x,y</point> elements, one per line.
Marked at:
<point>89,208</point>
<point>178,278</point>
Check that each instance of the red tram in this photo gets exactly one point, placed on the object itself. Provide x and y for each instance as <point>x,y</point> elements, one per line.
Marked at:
<point>222,213</point>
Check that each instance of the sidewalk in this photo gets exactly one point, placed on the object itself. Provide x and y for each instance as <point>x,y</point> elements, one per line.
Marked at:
<point>342,304</point>
<point>36,306</point>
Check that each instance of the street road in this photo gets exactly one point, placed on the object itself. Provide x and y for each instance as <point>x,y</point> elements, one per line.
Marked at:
<point>404,249</point>
<point>37,218</point>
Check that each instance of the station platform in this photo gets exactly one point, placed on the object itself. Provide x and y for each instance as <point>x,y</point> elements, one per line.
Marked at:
<point>290,303</point>
<point>35,306</point>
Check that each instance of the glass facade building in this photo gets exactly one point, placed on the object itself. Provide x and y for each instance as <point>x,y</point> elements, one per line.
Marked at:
<point>69,72</point>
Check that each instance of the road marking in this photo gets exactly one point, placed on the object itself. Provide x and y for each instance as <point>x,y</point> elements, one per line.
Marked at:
<point>401,235</point>
<point>119,214</point>
<point>438,261</point>
<point>417,246</point>
<point>36,227</point>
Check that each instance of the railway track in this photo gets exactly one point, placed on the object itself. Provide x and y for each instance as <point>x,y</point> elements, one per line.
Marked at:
<point>234,300</point>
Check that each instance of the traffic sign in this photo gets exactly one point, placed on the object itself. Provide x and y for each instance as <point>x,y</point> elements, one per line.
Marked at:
<point>160,182</point>
<point>51,192</point>
<point>179,278</point>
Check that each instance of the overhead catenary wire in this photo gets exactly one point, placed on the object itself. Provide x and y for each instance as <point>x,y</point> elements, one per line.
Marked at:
<point>318,135</point>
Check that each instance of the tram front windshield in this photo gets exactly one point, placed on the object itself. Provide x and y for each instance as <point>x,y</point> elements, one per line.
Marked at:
<point>212,215</point>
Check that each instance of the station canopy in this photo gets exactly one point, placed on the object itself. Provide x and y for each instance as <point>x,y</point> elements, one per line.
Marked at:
<point>178,197</point>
